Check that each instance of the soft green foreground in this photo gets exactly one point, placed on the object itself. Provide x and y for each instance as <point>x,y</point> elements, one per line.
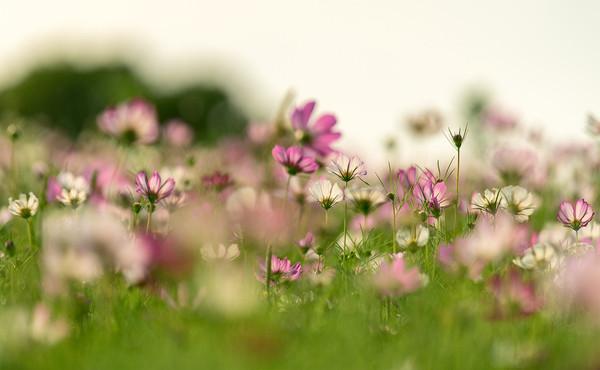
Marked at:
<point>446,325</point>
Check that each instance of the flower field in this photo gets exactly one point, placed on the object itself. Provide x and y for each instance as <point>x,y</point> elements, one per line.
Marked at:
<point>136,247</point>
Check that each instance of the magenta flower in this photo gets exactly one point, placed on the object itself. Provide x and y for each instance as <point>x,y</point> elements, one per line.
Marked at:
<point>153,189</point>
<point>132,122</point>
<point>281,270</point>
<point>294,160</point>
<point>575,215</point>
<point>317,135</point>
<point>433,196</point>
<point>406,181</point>
<point>394,279</point>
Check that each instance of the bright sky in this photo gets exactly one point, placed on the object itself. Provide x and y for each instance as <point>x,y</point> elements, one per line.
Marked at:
<point>371,62</point>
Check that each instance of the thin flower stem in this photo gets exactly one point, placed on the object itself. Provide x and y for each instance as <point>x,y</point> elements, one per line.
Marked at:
<point>287,191</point>
<point>345,213</point>
<point>394,226</point>
<point>326,218</point>
<point>148,222</point>
<point>29,233</point>
<point>457,189</point>
<point>268,257</point>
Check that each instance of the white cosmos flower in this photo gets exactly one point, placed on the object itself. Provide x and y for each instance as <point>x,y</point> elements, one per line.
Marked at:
<point>542,256</point>
<point>347,168</point>
<point>490,201</point>
<point>220,252</point>
<point>408,239</point>
<point>326,193</point>
<point>520,202</point>
<point>26,206</point>
<point>74,189</point>
<point>366,199</point>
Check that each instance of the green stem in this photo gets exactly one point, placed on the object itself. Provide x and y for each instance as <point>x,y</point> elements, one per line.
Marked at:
<point>457,188</point>
<point>268,257</point>
<point>29,233</point>
<point>345,213</point>
<point>394,226</point>
<point>148,221</point>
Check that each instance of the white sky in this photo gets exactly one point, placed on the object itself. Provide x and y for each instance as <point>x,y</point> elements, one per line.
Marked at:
<point>370,62</point>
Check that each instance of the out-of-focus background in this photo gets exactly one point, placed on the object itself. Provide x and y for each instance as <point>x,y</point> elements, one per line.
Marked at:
<point>220,64</point>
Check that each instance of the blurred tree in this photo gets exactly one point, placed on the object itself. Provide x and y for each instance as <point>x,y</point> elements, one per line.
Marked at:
<point>70,98</point>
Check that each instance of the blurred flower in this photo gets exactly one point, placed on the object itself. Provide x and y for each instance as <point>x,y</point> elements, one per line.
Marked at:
<point>132,122</point>
<point>513,295</point>
<point>575,215</point>
<point>317,135</point>
<point>542,256</point>
<point>346,168</point>
<point>426,123</point>
<point>489,241</point>
<point>281,270</point>
<point>394,279</point>
<point>79,247</point>
<point>516,165</point>
<point>498,119</point>
<point>519,202</point>
<point>575,286</point>
<point>366,199</point>
<point>153,189</point>
<point>307,242</point>
<point>326,193</point>
<point>217,181</point>
<point>178,133</point>
<point>44,328</point>
<point>407,179</point>
<point>220,252</point>
<point>412,240</point>
<point>294,160</point>
<point>26,206</point>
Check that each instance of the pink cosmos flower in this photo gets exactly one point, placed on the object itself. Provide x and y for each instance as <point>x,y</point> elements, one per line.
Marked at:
<point>132,122</point>
<point>153,189</point>
<point>575,215</point>
<point>281,270</point>
<point>294,160</point>
<point>394,279</point>
<point>432,196</point>
<point>317,135</point>
<point>178,133</point>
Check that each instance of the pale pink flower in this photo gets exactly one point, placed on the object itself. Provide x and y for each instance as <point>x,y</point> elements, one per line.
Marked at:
<point>575,215</point>
<point>178,133</point>
<point>294,160</point>
<point>432,196</point>
<point>132,122</point>
<point>153,189</point>
<point>394,278</point>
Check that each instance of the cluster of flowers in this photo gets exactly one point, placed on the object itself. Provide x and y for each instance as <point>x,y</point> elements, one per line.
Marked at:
<point>210,218</point>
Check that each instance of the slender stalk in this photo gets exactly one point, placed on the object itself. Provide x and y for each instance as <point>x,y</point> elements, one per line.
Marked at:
<point>345,213</point>
<point>287,191</point>
<point>148,221</point>
<point>326,218</point>
<point>394,226</point>
<point>268,257</point>
<point>457,188</point>
<point>29,233</point>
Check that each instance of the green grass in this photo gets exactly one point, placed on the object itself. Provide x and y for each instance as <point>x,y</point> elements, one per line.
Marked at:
<point>446,325</point>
